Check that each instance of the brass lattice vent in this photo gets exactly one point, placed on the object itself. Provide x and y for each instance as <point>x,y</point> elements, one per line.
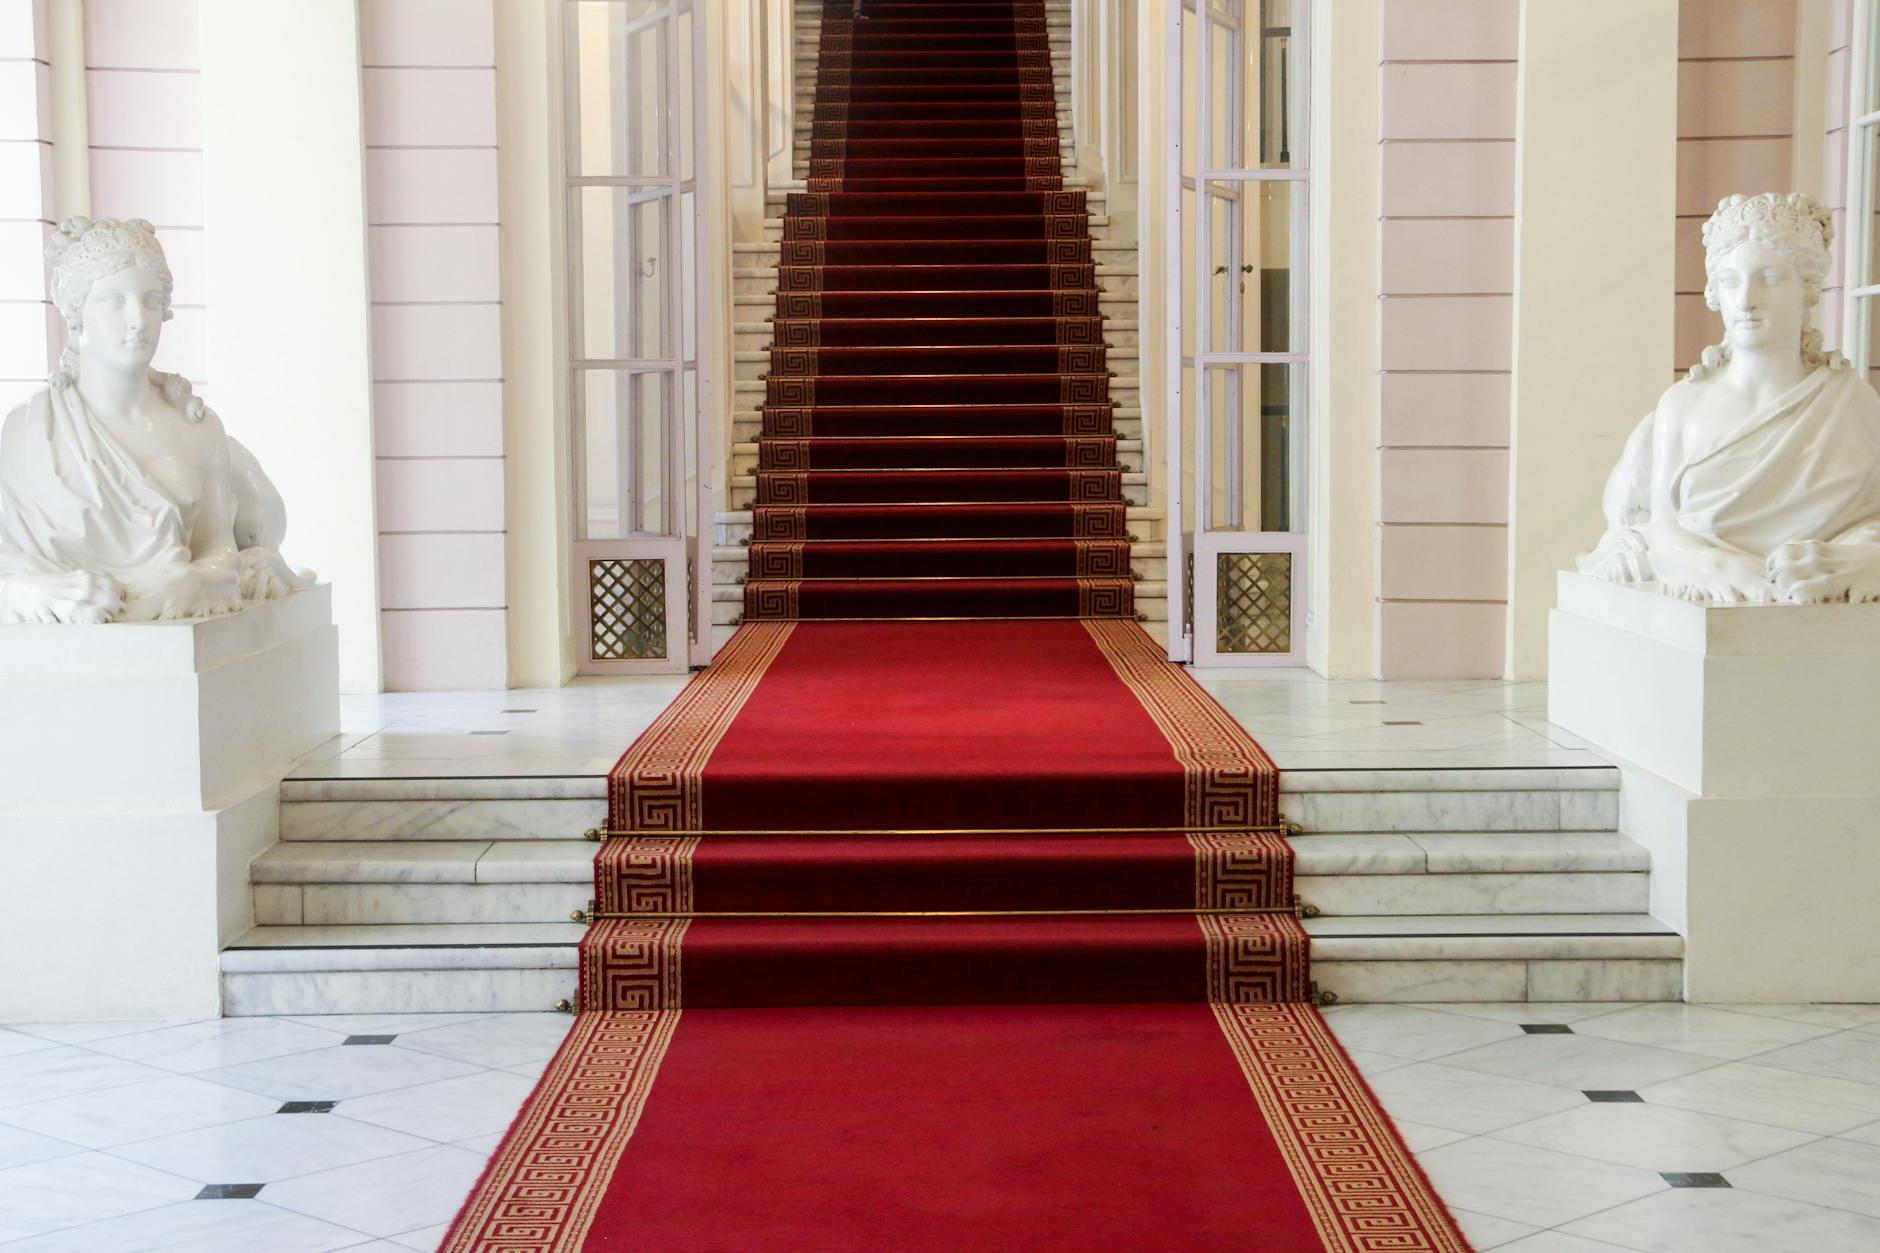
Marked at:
<point>627,596</point>
<point>1253,603</point>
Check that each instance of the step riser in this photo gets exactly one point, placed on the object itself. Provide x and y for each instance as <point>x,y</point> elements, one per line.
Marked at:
<point>470,990</point>
<point>1434,982</point>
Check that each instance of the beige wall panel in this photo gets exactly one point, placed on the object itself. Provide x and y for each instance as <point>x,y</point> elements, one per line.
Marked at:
<point>1445,563</point>
<point>445,649</point>
<point>1432,256</point>
<point>1442,641</point>
<point>447,494</point>
<point>1710,169</point>
<point>1447,410</point>
<point>1737,28</point>
<point>433,107</point>
<point>164,187</point>
<point>438,419</point>
<point>1450,30</point>
<point>1468,101</point>
<point>434,263</point>
<point>1447,179</point>
<point>442,571</point>
<point>143,109</point>
<point>1445,332</point>
<point>437,342</point>
<point>1726,98</point>
<point>437,185</point>
<point>147,34</point>
<point>1465,485</point>
<point>426,32</point>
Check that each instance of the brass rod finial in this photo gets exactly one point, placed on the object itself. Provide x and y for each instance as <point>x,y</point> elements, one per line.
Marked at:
<point>579,915</point>
<point>564,1006</point>
<point>592,833</point>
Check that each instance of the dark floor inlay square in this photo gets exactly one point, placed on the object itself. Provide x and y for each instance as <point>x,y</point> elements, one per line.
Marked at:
<point>1693,1179</point>
<point>370,1039</point>
<point>489,733</point>
<point>1405,723</point>
<point>521,711</point>
<point>1546,1028</point>
<point>307,1107</point>
<point>1367,702</point>
<point>1612,1096</point>
<point>229,1191</point>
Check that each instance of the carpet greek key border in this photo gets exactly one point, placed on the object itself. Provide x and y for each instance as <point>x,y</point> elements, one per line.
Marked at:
<point>1230,781</point>
<point>1256,958</point>
<point>650,874</point>
<point>1360,1184</point>
<point>541,1191</point>
<point>1253,870</point>
<point>657,783</point>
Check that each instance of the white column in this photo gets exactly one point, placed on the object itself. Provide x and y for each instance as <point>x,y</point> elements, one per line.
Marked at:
<point>1595,199</point>
<point>289,332</point>
<point>1341,637</point>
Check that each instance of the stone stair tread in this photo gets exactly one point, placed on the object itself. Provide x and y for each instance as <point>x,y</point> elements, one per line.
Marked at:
<point>1473,853</point>
<point>488,862</point>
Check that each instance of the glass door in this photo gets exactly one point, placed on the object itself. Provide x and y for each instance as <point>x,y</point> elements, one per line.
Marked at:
<point>631,69</point>
<point>1238,453</point>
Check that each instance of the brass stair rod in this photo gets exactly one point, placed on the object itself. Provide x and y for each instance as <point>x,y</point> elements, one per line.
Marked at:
<point>1283,827</point>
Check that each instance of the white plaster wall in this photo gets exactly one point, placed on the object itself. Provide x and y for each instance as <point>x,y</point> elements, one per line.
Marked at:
<point>289,336</point>
<point>434,237</point>
<point>28,325</point>
<point>1591,325</point>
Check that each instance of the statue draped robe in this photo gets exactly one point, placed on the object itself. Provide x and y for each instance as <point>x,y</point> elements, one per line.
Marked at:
<point>1805,466</point>
<point>72,498</point>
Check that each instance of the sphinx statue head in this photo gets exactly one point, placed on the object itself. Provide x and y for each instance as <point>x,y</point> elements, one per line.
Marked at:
<point>1756,479</point>
<point>121,497</point>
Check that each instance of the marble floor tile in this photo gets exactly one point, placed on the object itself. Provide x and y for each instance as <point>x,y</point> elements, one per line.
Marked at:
<point>83,1188</point>
<point>1561,1242</point>
<point>1530,1185</point>
<point>1698,1029</point>
<point>1840,1174</point>
<point>1531,1011</point>
<point>482,1146</point>
<point>1729,1220</point>
<point>1851,1055</point>
<point>268,1149</point>
<point>389,1196</point>
<point>1422,1138</point>
<point>140,1111</point>
<point>1781,1098</point>
<point>1405,1031</point>
<point>199,1227</point>
<point>335,1074</point>
<point>1653,1137</point>
<point>1376,1063</point>
<point>425,1239</point>
<point>1870,1134</point>
<point>19,1147</point>
<point>63,1070</point>
<point>1840,1016</point>
<point>507,1040</point>
<point>1579,1062</point>
<point>450,1111</point>
<point>1485,1231</point>
<point>12,1042</point>
<point>382,1024</point>
<point>217,1043</point>
<point>87,1032</point>
<point>1466,1101</point>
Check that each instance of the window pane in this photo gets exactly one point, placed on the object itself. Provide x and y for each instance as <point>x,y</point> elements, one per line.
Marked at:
<point>624,87</point>
<point>1250,434</point>
<point>626,418</point>
<point>1253,234</point>
<point>628,267</point>
<point>1277,87</point>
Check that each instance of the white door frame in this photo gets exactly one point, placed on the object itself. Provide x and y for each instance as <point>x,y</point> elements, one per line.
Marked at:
<point>1199,642</point>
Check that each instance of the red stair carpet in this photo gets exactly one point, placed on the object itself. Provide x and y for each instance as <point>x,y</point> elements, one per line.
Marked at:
<point>944,935</point>
<point>937,435</point>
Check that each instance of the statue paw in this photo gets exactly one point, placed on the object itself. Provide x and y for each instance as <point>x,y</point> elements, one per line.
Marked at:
<point>81,597</point>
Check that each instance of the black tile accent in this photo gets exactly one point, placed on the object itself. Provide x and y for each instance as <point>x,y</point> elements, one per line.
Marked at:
<point>1367,702</point>
<point>1693,1179</point>
<point>229,1191</point>
<point>1612,1096</point>
<point>1408,723</point>
<point>369,1039</point>
<point>521,711</point>
<point>307,1107</point>
<point>489,733</point>
<point>1546,1028</point>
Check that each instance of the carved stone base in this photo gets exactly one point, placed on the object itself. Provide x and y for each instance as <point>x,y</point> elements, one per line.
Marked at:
<point>142,767</point>
<point>1745,741</point>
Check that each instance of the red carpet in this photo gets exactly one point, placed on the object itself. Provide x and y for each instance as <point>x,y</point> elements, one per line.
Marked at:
<point>938,373</point>
<point>936,934</point>
<point>947,935</point>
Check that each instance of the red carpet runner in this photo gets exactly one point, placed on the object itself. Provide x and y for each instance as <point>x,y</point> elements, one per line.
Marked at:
<point>943,936</point>
<point>937,438</point>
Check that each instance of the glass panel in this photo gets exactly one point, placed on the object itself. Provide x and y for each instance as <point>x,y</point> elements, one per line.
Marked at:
<point>1252,234</point>
<point>622,87</point>
<point>682,34</point>
<point>1224,82</point>
<point>688,278</point>
<point>1191,48</point>
<point>1869,139</point>
<point>626,277</point>
<point>625,423</point>
<point>1250,447</point>
<point>1277,84</point>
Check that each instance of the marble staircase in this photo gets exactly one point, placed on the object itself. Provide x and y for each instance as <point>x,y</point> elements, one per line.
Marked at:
<point>1430,885</point>
<point>754,270</point>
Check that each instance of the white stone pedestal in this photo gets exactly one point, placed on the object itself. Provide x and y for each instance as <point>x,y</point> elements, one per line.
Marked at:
<point>142,767</point>
<point>1749,744</point>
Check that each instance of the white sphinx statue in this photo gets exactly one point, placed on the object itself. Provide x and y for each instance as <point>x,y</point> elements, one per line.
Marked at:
<point>1756,479</point>
<point>121,497</point>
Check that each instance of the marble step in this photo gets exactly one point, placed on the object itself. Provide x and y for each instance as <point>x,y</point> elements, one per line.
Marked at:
<point>729,564</point>
<point>339,883</point>
<point>1151,603</point>
<point>530,966</point>
<point>1387,802</point>
<point>755,336</point>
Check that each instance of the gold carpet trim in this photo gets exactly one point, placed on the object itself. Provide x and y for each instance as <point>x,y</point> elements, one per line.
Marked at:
<point>1241,870</point>
<point>1228,778</point>
<point>657,784</point>
<point>541,1191</point>
<point>1359,1183</point>
<point>646,874</point>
